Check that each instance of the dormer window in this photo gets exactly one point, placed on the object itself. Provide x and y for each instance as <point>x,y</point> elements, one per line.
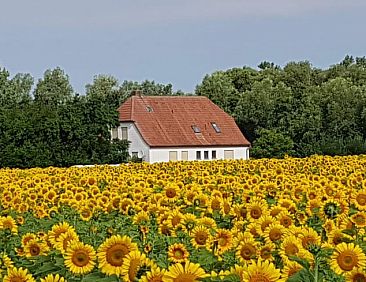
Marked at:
<point>196,129</point>
<point>216,127</point>
<point>149,109</point>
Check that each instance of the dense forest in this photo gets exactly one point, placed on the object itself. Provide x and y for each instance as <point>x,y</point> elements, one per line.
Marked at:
<point>298,110</point>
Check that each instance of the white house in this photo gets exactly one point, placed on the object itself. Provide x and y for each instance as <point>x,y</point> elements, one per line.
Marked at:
<point>174,128</point>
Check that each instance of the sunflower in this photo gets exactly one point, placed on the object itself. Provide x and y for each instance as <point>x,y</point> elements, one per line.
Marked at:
<point>27,237</point>
<point>201,237</point>
<point>80,257</point>
<point>190,272</point>
<point>285,219</point>
<point>359,219</point>
<point>7,222</point>
<point>274,233</point>
<point>252,228</point>
<point>261,271</point>
<point>64,240</point>
<point>336,237</point>
<point>35,248</point>
<point>178,253</point>
<point>214,204</point>
<point>224,240</point>
<point>328,226</point>
<point>330,209</point>
<point>5,261</point>
<point>358,198</point>
<point>263,222</point>
<point>132,264</point>
<point>112,252</point>
<point>86,213</point>
<point>207,222</point>
<point>53,278</point>
<point>276,210</point>
<point>356,275</point>
<point>189,222</point>
<point>175,219</point>
<point>171,192</point>
<point>18,275</point>
<point>141,218</point>
<point>256,209</point>
<point>164,228</point>
<point>289,269</point>
<point>313,206</point>
<point>226,207</point>
<point>291,246</point>
<point>266,251</point>
<point>57,230</point>
<point>347,257</point>
<point>154,275</point>
<point>247,250</point>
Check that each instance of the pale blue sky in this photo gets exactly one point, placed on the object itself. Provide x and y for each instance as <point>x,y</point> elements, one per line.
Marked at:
<point>172,41</point>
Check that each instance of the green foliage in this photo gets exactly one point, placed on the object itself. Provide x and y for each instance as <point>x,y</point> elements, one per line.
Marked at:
<point>272,144</point>
<point>58,127</point>
<point>320,111</point>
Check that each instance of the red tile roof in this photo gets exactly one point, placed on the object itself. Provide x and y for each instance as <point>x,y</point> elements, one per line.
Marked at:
<point>166,121</point>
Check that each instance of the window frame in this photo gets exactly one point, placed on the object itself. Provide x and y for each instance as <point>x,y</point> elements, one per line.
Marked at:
<point>171,153</point>
<point>198,155</point>
<point>216,127</point>
<point>184,155</point>
<point>213,154</point>
<point>206,155</point>
<point>124,129</point>
<point>114,133</point>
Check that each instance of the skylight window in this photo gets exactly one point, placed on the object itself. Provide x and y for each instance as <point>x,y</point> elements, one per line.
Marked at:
<point>216,127</point>
<point>149,109</point>
<point>196,129</point>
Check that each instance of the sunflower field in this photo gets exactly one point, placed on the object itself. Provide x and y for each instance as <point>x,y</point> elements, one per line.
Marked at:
<point>259,220</point>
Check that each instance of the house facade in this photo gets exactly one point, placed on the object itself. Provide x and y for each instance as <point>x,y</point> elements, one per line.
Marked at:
<point>179,128</point>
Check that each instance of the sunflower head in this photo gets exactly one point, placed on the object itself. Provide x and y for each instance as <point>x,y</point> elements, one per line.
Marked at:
<point>347,257</point>
<point>80,257</point>
<point>178,253</point>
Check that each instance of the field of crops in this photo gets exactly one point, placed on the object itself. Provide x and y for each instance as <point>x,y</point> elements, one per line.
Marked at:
<point>259,220</point>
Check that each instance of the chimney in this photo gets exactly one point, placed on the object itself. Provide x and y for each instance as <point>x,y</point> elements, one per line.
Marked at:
<point>137,93</point>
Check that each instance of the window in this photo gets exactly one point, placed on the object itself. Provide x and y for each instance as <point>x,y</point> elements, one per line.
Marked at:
<point>205,155</point>
<point>198,155</point>
<point>184,156</point>
<point>213,155</point>
<point>196,129</point>
<point>149,109</point>
<point>115,133</point>
<point>216,127</point>
<point>173,155</point>
<point>228,154</point>
<point>135,154</point>
<point>124,133</point>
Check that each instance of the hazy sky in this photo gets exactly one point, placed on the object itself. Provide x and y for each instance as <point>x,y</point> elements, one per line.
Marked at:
<point>171,41</point>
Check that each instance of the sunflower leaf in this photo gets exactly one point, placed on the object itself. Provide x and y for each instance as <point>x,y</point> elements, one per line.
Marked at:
<point>304,263</point>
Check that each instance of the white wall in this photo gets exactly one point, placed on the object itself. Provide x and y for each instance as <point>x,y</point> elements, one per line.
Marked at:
<point>162,154</point>
<point>137,143</point>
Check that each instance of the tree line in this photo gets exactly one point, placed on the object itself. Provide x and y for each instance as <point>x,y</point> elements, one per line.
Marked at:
<point>297,110</point>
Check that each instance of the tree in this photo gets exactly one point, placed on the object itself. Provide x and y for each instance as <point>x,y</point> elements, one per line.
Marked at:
<point>16,91</point>
<point>272,144</point>
<point>54,89</point>
<point>220,90</point>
